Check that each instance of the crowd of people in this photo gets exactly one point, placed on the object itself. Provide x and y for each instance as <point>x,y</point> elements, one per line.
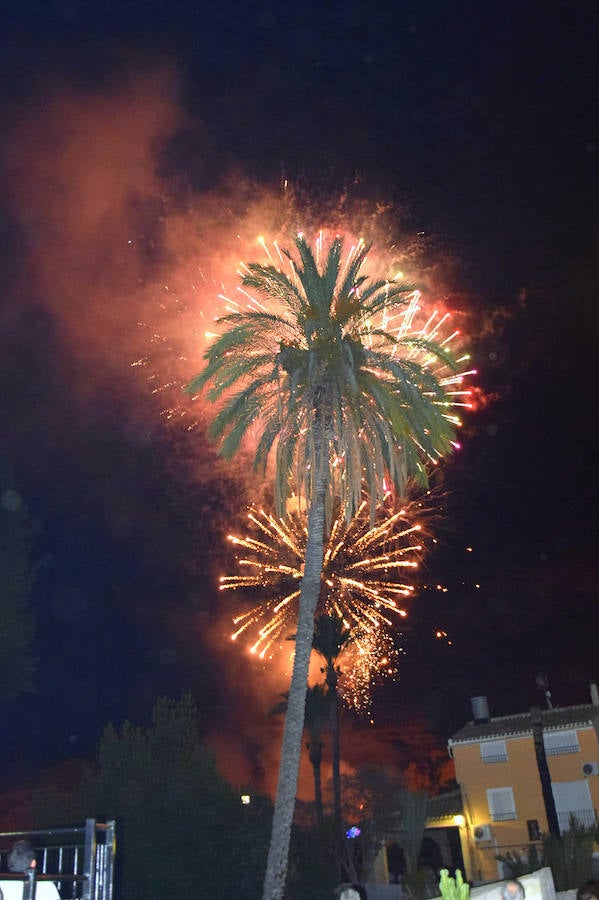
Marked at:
<point>21,859</point>
<point>509,890</point>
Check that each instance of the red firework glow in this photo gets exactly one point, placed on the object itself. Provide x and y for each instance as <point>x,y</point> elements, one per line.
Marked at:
<point>184,329</point>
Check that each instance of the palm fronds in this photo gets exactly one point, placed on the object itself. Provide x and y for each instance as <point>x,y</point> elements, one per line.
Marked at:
<point>322,373</point>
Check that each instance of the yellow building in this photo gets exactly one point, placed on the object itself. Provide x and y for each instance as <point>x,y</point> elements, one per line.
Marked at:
<point>497,770</point>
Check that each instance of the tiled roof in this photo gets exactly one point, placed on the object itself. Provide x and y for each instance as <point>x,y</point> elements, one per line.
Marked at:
<point>510,726</point>
<point>449,804</point>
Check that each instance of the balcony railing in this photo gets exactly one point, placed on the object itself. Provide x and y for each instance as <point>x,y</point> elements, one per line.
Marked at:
<point>561,748</point>
<point>587,818</point>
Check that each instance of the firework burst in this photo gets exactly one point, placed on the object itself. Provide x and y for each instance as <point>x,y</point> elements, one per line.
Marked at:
<point>413,328</point>
<point>367,580</point>
<point>368,569</point>
<point>173,318</point>
<point>202,286</point>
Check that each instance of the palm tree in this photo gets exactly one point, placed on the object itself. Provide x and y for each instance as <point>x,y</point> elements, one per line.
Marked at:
<point>337,402</point>
<point>414,811</point>
<point>331,637</point>
<point>317,717</point>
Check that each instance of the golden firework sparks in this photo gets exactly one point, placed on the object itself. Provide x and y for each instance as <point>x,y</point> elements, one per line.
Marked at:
<point>367,580</point>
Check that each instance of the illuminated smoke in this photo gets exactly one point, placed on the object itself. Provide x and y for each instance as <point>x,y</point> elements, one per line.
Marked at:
<point>116,265</point>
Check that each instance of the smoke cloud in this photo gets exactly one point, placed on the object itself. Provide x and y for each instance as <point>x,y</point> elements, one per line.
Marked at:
<point>118,269</point>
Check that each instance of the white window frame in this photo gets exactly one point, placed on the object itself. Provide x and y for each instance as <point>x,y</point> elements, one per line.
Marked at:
<point>502,806</point>
<point>493,751</point>
<point>561,742</point>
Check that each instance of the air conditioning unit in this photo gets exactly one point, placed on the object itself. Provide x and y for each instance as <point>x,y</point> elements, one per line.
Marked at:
<point>482,833</point>
<point>590,768</point>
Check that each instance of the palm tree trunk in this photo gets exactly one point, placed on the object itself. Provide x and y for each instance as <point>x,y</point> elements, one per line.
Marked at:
<point>316,761</point>
<point>332,682</point>
<point>278,853</point>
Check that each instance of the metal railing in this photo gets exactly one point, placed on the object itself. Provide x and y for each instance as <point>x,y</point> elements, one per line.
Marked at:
<point>79,860</point>
<point>587,818</point>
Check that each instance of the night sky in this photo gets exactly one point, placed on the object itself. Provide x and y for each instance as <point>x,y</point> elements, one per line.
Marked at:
<point>143,148</point>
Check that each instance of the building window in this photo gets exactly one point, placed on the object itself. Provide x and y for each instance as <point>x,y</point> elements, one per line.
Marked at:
<point>493,751</point>
<point>573,802</point>
<point>557,742</point>
<point>501,804</point>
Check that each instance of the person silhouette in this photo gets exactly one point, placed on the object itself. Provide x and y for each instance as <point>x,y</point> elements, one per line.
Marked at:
<point>21,858</point>
<point>353,892</point>
<point>588,891</point>
<point>512,890</point>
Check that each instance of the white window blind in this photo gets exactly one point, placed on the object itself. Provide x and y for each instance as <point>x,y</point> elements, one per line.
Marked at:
<point>501,804</point>
<point>573,800</point>
<point>493,751</point>
<point>557,742</point>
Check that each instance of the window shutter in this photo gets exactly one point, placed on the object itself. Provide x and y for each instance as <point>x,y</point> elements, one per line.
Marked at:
<point>573,801</point>
<point>493,751</point>
<point>501,804</point>
<point>557,742</point>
